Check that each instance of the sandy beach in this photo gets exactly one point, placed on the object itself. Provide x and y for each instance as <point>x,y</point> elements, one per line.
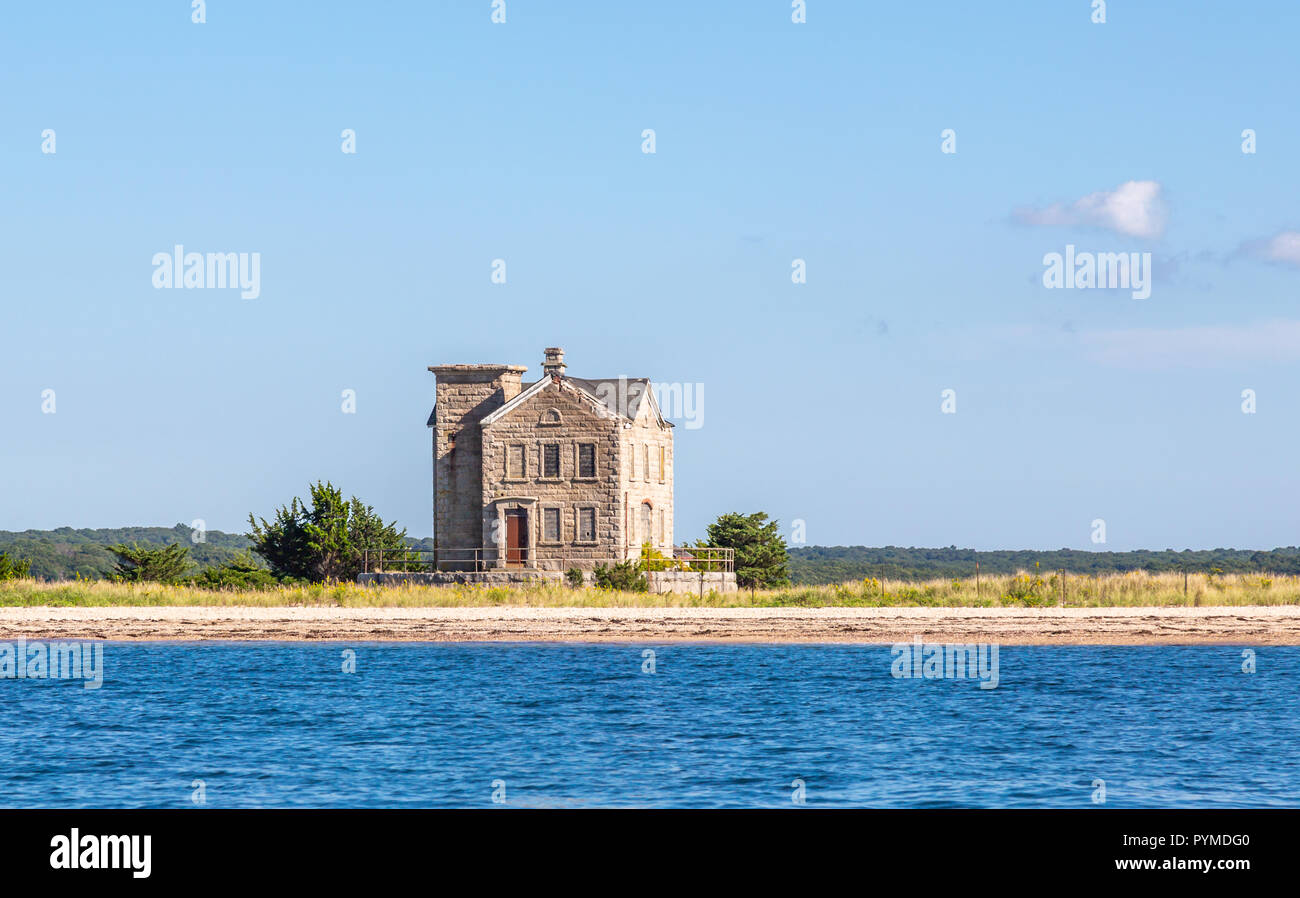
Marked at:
<point>1247,625</point>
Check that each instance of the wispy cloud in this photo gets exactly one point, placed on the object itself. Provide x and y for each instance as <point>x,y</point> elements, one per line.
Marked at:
<point>1194,346</point>
<point>1198,346</point>
<point>1134,209</point>
<point>1282,248</point>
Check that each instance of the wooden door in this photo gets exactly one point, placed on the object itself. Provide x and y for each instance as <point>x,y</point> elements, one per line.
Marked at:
<point>516,537</point>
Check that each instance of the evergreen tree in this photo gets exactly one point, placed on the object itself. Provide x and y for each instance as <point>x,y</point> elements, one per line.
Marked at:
<point>761,556</point>
<point>327,540</point>
<point>137,563</point>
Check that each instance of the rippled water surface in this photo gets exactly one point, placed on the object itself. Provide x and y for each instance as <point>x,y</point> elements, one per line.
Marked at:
<point>713,726</point>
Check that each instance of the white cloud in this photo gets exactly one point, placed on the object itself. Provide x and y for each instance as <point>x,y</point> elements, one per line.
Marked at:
<point>1134,209</point>
<point>1283,248</point>
<point>1198,346</point>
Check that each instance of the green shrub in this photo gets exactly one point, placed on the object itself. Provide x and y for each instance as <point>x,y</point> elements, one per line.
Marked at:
<point>654,560</point>
<point>14,569</point>
<point>1030,591</point>
<point>137,563</point>
<point>623,575</point>
<point>574,576</point>
<point>240,572</point>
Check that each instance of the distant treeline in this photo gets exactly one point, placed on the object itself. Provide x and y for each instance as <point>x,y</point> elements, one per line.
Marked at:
<point>836,564</point>
<point>66,553</point>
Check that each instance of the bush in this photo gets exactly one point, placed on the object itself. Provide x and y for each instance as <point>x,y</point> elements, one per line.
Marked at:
<point>240,572</point>
<point>574,576</point>
<point>137,563</point>
<point>1030,591</point>
<point>14,569</point>
<point>654,560</point>
<point>623,575</point>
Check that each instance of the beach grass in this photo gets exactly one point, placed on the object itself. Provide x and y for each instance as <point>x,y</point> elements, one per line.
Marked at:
<point>1017,591</point>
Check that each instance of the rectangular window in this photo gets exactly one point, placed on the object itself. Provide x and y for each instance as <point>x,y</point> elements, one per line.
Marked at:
<point>645,459</point>
<point>662,457</point>
<point>551,525</point>
<point>586,525</point>
<point>662,540</point>
<point>514,461</point>
<point>550,459</point>
<point>586,459</point>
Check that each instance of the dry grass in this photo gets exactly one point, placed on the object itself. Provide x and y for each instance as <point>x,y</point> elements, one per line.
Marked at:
<point>1023,590</point>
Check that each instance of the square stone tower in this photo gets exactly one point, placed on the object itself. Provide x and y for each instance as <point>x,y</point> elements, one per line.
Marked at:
<point>464,395</point>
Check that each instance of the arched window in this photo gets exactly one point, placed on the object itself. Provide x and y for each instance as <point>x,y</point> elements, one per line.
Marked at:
<point>550,416</point>
<point>646,526</point>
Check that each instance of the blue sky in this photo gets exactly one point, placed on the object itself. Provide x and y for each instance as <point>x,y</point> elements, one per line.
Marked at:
<point>774,141</point>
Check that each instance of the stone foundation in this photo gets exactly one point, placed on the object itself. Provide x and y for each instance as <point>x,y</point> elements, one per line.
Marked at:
<point>658,581</point>
<point>699,582</point>
<point>507,577</point>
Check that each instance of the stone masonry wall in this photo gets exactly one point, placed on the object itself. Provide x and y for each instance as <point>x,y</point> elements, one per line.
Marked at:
<point>559,414</point>
<point>641,483</point>
<point>464,395</point>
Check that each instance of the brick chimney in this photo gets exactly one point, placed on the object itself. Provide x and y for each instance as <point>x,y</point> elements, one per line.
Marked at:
<point>553,366</point>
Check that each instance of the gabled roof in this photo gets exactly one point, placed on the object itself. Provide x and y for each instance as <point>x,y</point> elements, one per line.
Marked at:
<point>606,391</point>
<point>602,393</point>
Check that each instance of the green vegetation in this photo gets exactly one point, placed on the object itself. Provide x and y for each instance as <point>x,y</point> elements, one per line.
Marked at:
<point>654,560</point>
<point>761,557</point>
<point>626,576</point>
<point>243,572</point>
<point>1015,591</point>
<point>136,563</point>
<point>68,554</point>
<point>326,541</point>
<point>837,564</point>
<point>14,569</point>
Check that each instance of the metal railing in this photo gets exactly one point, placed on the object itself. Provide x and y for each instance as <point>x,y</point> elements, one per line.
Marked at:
<point>487,558</point>
<point>705,558</point>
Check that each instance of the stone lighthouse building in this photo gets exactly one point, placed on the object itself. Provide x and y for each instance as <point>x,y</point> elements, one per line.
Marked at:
<point>547,475</point>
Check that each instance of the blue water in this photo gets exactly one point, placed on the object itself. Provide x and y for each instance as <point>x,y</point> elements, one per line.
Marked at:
<point>281,725</point>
